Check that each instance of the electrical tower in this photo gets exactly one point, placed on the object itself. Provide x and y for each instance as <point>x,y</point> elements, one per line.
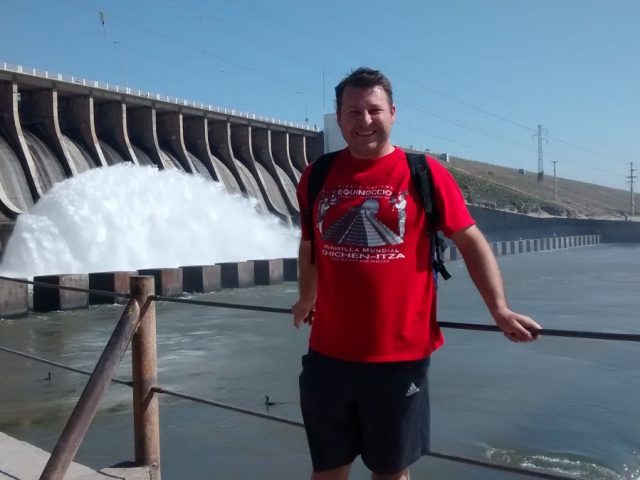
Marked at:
<point>542,132</point>
<point>631,178</point>
<point>555,181</point>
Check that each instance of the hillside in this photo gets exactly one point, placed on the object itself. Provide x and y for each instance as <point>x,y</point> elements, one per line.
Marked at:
<point>520,191</point>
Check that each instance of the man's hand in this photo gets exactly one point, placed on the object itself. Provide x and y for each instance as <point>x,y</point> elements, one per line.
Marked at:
<point>516,327</point>
<point>302,313</point>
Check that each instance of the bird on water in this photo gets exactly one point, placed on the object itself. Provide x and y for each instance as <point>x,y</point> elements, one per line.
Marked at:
<point>269,403</point>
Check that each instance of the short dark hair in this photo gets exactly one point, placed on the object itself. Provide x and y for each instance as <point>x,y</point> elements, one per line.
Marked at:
<point>363,77</point>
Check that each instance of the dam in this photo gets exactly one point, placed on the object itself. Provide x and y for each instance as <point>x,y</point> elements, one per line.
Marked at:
<point>54,127</point>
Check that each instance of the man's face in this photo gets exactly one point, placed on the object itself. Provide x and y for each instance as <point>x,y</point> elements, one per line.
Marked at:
<point>365,119</point>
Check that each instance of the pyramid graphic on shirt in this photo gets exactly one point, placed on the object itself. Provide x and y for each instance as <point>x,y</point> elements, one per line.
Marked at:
<point>360,227</point>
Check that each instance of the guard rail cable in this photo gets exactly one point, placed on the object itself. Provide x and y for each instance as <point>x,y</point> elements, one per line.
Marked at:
<point>629,337</point>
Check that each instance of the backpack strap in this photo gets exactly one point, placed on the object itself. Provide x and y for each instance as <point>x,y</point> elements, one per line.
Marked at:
<point>423,182</point>
<point>317,176</point>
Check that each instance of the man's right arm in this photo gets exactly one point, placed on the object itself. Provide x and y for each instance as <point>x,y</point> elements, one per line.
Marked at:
<point>307,285</point>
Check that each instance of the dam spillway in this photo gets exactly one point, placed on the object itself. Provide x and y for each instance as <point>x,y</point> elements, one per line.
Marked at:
<point>54,127</point>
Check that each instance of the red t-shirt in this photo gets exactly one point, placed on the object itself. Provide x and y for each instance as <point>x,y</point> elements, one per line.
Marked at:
<point>376,297</point>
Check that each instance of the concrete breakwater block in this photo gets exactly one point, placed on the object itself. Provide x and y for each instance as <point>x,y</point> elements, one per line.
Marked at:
<point>14,299</point>
<point>268,272</point>
<point>117,282</point>
<point>290,269</point>
<point>201,278</point>
<point>168,281</point>
<point>47,299</point>
<point>237,274</point>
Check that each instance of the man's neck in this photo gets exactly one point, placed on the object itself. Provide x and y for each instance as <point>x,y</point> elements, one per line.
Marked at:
<point>383,152</point>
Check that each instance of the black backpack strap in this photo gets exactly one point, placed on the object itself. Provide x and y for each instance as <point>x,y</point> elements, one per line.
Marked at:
<point>317,176</point>
<point>423,182</point>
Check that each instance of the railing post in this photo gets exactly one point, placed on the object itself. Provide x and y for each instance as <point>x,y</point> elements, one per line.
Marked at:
<point>87,406</point>
<point>146,423</point>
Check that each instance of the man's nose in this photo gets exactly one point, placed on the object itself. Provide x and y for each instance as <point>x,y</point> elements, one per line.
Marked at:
<point>366,118</point>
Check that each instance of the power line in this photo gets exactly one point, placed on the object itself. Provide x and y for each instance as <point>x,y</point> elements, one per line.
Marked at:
<point>456,122</point>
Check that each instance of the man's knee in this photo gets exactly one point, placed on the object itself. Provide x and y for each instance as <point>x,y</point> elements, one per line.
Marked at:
<point>403,475</point>
<point>340,473</point>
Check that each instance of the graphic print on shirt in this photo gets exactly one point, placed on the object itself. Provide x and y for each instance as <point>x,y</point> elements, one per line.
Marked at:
<point>360,234</point>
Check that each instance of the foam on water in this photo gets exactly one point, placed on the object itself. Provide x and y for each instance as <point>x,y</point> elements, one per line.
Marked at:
<point>570,466</point>
<point>125,217</point>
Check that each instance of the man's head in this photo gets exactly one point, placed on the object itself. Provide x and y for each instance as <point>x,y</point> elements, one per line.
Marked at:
<point>365,112</point>
<point>363,78</point>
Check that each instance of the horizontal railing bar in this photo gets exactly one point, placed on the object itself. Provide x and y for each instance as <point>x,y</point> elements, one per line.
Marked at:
<point>496,466</point>
<point>628,337</point>
<point>295,423</point>
<point>287,421</point>
<point>60,365</point>
<point>619,337</point>
<point>233,306</point>
<point>227,406</point>
<point>106,293</point>
<point>550,332</point>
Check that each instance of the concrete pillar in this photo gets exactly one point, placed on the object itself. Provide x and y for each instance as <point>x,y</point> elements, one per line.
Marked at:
<point>10,123</point>
<point>513,247</point>
<point>453,253</point>
<point>111,126</point>
<point>168,281</point>
<point>196,140</point>
<point>14,299</point>
<point>47,299</point>
<point>171,137</point>
<point>261,145</point>
<point>41,107</point>
<point>268,272</point>
<point>242,144</point>
<point>290,269</point>
<point>117,282</point>
<point>280,152</point>
<point>77,118</point>
<point>220,142</point>
<point>505,248</point>
<point>237,274</point>
<point>143,134</point>
<point>297,150</point>
<point>314,146</point>
<point>201,278</point>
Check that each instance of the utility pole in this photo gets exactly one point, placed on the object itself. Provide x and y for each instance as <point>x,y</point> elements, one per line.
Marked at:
<point>631,178</point>
<point>541,133</point>
<point>555,181</point>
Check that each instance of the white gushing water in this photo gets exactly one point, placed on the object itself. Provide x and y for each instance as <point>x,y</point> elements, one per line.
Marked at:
<point>125,217</point>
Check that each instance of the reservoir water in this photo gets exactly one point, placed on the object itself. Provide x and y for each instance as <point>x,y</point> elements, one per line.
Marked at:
<point>560,405</point>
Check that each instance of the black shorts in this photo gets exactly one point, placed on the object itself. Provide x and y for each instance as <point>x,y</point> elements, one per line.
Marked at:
<point>377,410</point>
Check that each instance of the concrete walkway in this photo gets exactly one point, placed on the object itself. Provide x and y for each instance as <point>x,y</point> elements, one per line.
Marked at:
<point>22,461</point>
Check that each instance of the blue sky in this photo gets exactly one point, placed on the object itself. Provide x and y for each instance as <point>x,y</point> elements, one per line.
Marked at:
<point>471,77</point>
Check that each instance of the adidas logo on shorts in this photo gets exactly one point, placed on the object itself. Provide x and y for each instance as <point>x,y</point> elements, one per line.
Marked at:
<point>412,390</point>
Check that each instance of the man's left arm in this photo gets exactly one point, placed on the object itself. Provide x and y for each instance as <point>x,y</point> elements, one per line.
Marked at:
<point>483,269</point>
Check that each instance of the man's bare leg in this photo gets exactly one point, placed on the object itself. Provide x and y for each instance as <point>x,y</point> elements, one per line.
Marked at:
<point>403,475</point>
<point>340,473</point>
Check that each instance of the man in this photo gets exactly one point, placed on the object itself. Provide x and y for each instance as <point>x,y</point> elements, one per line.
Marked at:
<point>369,294</point>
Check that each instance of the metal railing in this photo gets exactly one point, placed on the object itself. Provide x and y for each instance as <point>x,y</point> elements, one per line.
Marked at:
<point>138,326</point>
<point>59,77</point>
